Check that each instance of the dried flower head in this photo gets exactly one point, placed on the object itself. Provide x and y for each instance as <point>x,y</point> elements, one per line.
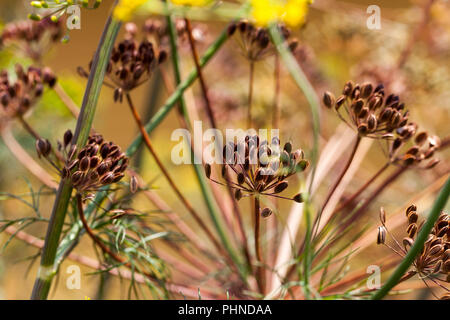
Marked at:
<point>413,148</point>
<point>254,42</point>
<point>433,262</point>
<point>259,168</point>
<point>368,111</point>
<point>131,64</point>
<point>98,164</point>
<point>18,97</point>
<point>32,37</point>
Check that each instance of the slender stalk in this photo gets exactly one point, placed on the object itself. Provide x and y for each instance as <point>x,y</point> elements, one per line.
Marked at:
<point>336,184</point>
<point>201,79</point>
<point>417,247</point>
<point>172,184</point>
<point>28,128</point>
<point>47,268</point>
<point>260,274</point>
<point>250,94</point>
<point>361,189</point>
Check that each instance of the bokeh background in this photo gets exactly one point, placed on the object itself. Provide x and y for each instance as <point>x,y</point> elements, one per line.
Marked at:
<point>335,46</point>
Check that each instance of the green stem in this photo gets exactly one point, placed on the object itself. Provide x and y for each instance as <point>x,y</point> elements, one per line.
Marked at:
<point>47,268</point>
<point>438,206</point>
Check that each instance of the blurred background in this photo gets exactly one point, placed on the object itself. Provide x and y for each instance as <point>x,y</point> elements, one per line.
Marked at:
<point>335,45</point>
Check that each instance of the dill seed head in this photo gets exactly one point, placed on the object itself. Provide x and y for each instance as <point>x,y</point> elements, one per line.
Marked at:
<point>413,148</point>
<point>34,36</point>
<point>97,164</point>
<point>254,42</point>
<point>18,97</point>
<point>369,112</point>
<point>260,168</point>
<point>132,63</point>
<point>433,262</point>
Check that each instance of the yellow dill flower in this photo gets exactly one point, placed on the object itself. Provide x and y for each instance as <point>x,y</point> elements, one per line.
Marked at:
<point>126,8</point>
<point>197,3</point>
<point>290,12</point>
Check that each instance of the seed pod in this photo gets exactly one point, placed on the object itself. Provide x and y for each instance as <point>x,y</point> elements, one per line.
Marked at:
<point>238,194</point>
<point>381,237</point>
<point>280,187</point>
<point>412,217</point>
<point>266,212</point>
<point>436,250</point>
<point>340,101</point>
<point>241,178</point>
<point>411,208</point>
<point>84,164</point>
<point>366,90</point>
<point>67,137</point>
<point>77,177</point>
<point>43,147</point>
<point>329,99</point>
<point>298,198</point>
<point>407,242</point>
<point>302,165</point>
<point>371,122</point>
<point>412,230</point>
<point>348,88</point>
<point>208,170</point>
<point>231,29</point>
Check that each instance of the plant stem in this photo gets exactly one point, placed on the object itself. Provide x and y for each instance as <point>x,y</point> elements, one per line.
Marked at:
<point>28,128</point>
<point>47,268</point>
<point>250,94</point>
<point>361,189</point>
<point>172,184</point>
<point>260,274</point>
<point>438,205</point>
<point>201,79</point>
<point>336,184</point>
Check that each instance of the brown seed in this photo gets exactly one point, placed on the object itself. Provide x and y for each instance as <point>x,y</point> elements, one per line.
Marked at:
<point>208,170</point>
<point>381,237</point>
<point>84,163</point>
<point>412,217</point>
<point>298,198</point>
<point>411,230</point>
<point>328,99</point>
<point>240,178</point>
<point>411,208</point>
<point>436,250</point>
<point>238,194</point>
<point>266,212</point>
<point>366,90</point>
<point>408,242</point>
<point>281,187</point>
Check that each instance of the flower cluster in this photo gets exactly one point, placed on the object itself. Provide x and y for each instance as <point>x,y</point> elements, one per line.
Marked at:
<point>19,96</point>
<point>254,42</point>
<point>289,12</point>
<point>412,148</point>
<point>131,65</point>
<point>368,110</point>
<point>260,168</point>
<point>433,262</point>
<point>32,36</point>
